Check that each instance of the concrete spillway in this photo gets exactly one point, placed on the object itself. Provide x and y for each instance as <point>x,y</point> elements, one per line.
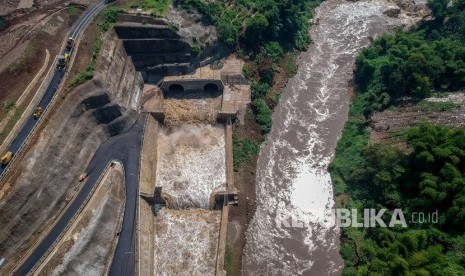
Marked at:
<point>191,165</point>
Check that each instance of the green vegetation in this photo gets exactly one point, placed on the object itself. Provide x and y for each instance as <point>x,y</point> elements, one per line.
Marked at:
<point>243,150</point>
<point>263,32</point>
<point>413,63</point>
<point>196,49</point>
<point>437,106</point>
<point>10,106</point>
<point>72,10</point>
<point>228,261</point>
<point>156,7</point>
<point>107,18</point>
<point>173,27</point>
<point>22,61</point>
<point>2,23</point>
<point>263,115</point>
<point>427,177</point>
<point>11,123</point>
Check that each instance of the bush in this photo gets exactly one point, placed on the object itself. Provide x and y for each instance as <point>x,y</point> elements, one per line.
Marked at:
<point>263,115</point>
<point>81,78</point>
<point>259,90</point>
<point>274,51</point>
<point>72,10</point>
<point>243,150</point>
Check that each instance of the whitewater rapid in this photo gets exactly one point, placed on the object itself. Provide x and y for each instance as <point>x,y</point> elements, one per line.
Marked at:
<point>292,178</point>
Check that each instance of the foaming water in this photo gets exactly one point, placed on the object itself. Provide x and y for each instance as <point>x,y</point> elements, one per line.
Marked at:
<point>191,164</point>
<point>292,178</point>
<point>186,242</point>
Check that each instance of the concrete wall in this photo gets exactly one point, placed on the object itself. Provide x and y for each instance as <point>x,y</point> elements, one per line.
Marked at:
<point>156,45</point>
<point>191,85</point>
<point>118,73</point>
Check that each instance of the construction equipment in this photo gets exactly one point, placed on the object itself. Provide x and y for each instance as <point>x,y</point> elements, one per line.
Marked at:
<point>62,61</point>
<point>70,43</point>
<point>6,158</point>
<point>37,112</point>
<point>82,177</point>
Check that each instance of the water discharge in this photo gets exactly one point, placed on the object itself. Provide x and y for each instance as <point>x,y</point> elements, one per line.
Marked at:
<point>192,164</point>
<point>186,242</point>
<point>292,178</point>
<point>191,167</point>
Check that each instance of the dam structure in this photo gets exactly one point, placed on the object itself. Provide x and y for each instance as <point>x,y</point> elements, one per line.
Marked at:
<point>186,177</point>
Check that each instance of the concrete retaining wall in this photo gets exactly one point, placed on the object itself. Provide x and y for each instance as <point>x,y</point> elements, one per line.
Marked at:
<point>191,85</point>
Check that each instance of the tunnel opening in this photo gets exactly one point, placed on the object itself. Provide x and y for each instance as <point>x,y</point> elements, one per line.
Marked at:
<point>176,88</point>
<point>211,88</point>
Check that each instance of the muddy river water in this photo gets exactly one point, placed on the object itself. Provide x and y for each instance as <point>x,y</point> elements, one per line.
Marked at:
<point>292,232</point>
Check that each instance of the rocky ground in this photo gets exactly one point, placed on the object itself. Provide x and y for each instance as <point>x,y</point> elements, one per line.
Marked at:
<point>22,51</point>
<point>85,250</point>
<point>449,110</point>
<point>45,180</point>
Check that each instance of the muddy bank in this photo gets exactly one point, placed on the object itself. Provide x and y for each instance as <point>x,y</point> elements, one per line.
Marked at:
<point>293,183</point>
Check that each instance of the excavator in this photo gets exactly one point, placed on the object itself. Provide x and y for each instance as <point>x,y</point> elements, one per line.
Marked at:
<point>37,112</point>
<point>6,158</point>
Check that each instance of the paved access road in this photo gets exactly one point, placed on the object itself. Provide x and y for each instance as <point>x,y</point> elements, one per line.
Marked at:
<point>18,143</point>
<point>126,149</point>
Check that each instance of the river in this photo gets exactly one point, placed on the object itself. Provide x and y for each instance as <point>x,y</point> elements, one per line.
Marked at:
<point>293,183</point>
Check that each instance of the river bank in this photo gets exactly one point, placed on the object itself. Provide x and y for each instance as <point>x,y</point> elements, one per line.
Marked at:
<point>292,230</point>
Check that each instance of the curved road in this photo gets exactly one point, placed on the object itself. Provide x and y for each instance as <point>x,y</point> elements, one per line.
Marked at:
<point>124,148</point>
<point>18,143</point>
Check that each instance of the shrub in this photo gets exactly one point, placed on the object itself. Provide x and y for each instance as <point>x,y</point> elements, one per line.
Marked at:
<point>263,115</point>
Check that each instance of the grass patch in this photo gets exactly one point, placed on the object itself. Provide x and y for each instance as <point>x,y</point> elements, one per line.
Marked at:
<point>72,10</point>
<point>228,261</point>
<point>23,60</point>
<point>263,115</point>
<point>107,18</point>
<point>11,123</point>
<point>243,150</point>
<point>437,106</point>
<point>156,7</point>
<point>9,106</point>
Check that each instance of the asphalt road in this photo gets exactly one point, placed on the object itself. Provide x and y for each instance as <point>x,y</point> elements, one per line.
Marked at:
<point>126,149</point>
<point>16,145</point>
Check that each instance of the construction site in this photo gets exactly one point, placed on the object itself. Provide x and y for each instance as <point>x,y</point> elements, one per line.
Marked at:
<point>130,172</point>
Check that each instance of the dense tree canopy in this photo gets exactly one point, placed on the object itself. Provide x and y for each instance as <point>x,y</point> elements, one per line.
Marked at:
<point>427,174</point>
<point>413,63</point>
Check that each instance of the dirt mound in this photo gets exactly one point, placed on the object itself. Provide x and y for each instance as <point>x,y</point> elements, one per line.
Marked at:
<point>178,112</point>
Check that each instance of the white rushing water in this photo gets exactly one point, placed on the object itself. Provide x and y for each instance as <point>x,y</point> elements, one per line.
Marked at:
<point>192,164</point>
<point>292,177</point>
<point>186,242</point>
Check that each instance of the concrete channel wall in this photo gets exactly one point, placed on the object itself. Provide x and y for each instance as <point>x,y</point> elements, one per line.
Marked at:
<point>225,211</point>
<point>145,224</point>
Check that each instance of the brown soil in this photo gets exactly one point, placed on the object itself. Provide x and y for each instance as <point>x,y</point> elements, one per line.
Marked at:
<point>85,51</point>
<point>15,78</point>
<point>244,180</point>
<point>386,125</point>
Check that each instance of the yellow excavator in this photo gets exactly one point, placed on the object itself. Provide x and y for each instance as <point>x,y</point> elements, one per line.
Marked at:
<point>37,112</point>
<point>6,158</point>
